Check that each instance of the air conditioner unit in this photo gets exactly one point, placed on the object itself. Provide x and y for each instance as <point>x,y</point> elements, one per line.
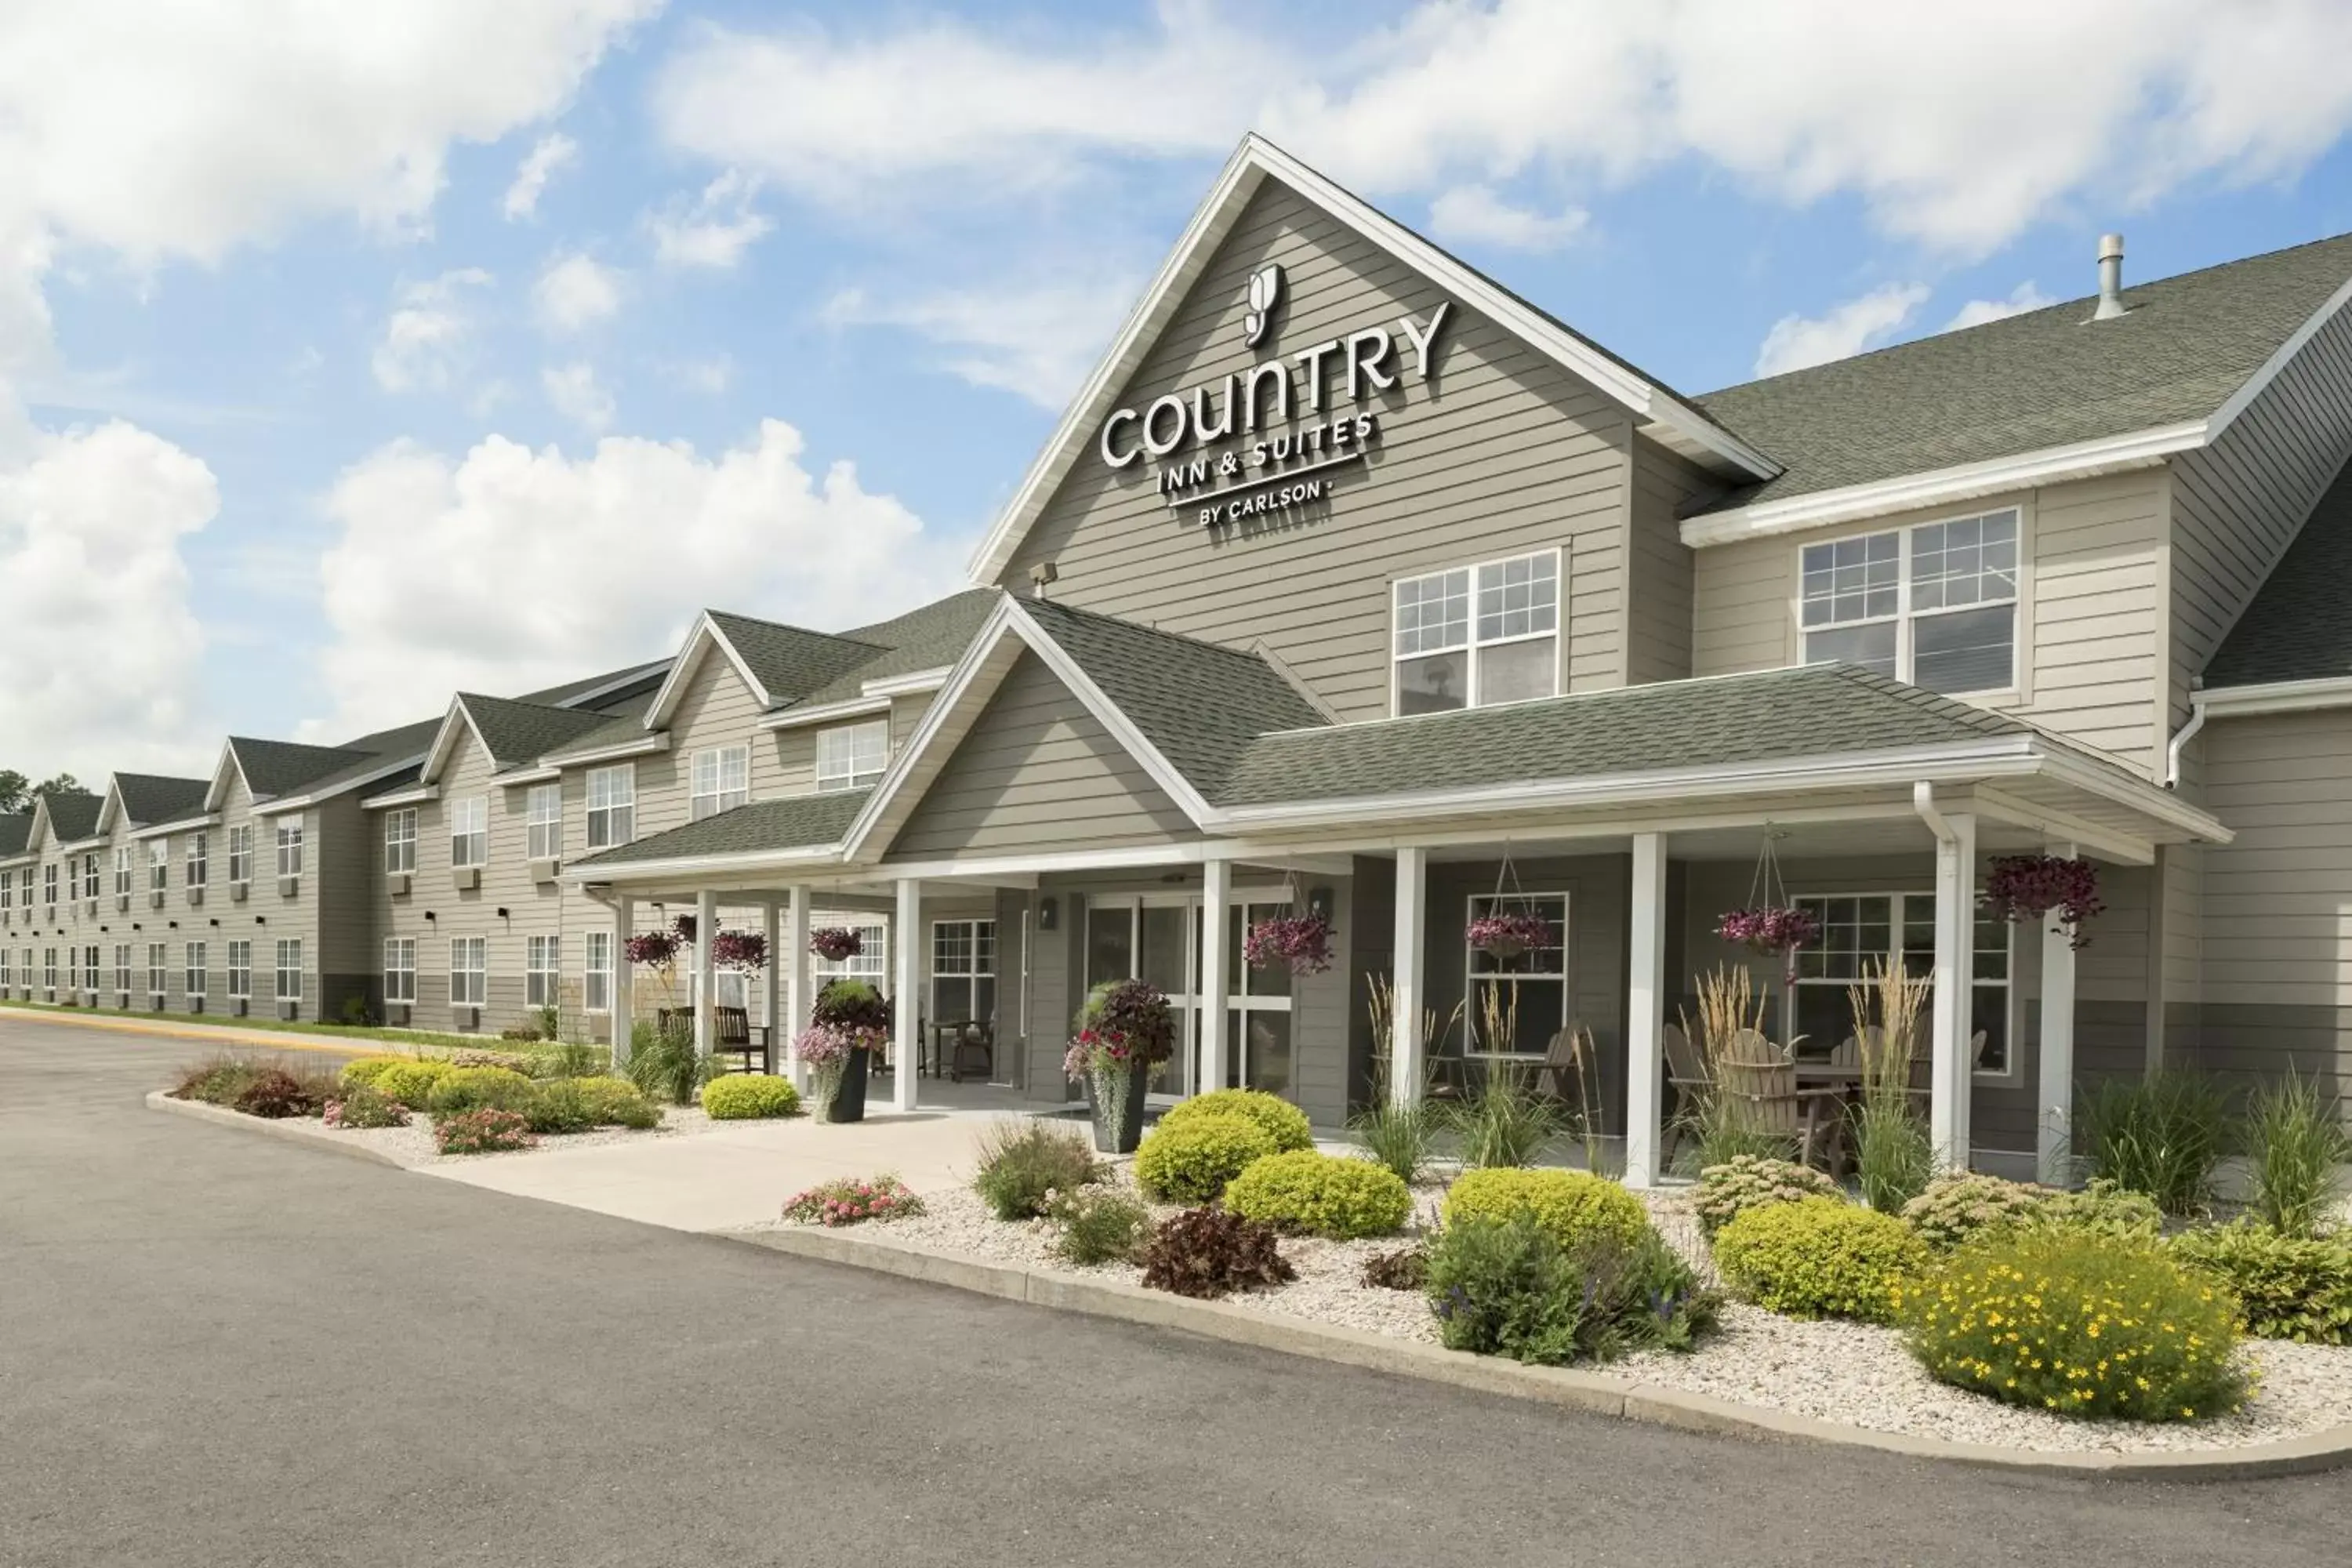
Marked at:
<point>290,887</point>
<point>465,879</point>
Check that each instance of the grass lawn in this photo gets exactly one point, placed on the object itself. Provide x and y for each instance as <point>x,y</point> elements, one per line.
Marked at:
<point>412,1039</point>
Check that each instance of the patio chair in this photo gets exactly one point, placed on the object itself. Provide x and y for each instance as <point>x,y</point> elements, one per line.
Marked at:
<point>730,1029</point>
<point>1760,1080</point>
<point>1556,1076</point>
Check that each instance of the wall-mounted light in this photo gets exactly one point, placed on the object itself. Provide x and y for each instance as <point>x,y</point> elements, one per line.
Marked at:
<point>1048,913</point>
<point>1318,902</point>
<point>215,921</point>
<point>430,915</point>
<point>503,915</point>
<point>176,925</point>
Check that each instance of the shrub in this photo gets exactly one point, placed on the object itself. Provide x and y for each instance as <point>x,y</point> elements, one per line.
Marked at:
<point>1893,1156</point>
<point>1743,1183</point>
<point>477,1088</point>
<point>1406,1268</point>
<point>2296,1144</point>
<point>1023,1162</point>
<point>411,1083</point>
<point>1821,1258</point>
<point>1282,1121</point>
<point>2289,1287</point>
<point>1571,1205</point>
<point>1504,1285</point>
<point>1958,1208</point>
<point>1191,1161</point>
<point>1334,1195</point>
<point>1397,1137</point>
<point>367,1069</point>
<point>617,1102</point>
<point>560,1107</point>
<point>275,1095</point>
<point>2077,1324</point>
<point>1208,1252</point>
<point>2160,1135</point>
<point>216,1080</point>
<point>664,1065</point>
<point>2103,1209</point>
<point>1096,1223</point>
<point>852,1200</point>
<point>483,1131</point>
<point>362,1107</point>
<point>1505,1124</point>
<point>749,1096</point>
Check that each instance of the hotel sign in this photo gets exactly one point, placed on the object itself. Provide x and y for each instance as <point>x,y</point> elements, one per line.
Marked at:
<point>1270,437</point>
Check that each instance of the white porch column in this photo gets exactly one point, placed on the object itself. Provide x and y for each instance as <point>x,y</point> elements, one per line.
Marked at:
<point>1645,1001</point>
<point>622,1015</point>
<point>802,995</point>
<point>1952,1079</point>
<point>769,1013</point>
<point>1407,1052</point>
<point>705,971</point>
<point>2054,1101</point>
<point>1216,897</point>
<point>906,998</point>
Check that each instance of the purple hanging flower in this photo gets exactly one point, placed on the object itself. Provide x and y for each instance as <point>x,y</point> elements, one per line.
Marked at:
<point>2022,888</point>
<point>1302,942</point>
<point>834,944</point>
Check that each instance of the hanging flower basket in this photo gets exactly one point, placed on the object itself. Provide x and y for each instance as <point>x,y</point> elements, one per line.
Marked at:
<point>658,949</point>
<point>2022,888</point>
<point>1302,942</point>
<point>834,944</point>
<point>1775,928</point>
<point>739,950</point>
<point>1510,934</point>
<point>683,927</point>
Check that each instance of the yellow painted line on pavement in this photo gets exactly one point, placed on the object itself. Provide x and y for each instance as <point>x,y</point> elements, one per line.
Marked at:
<point>257,1039</point>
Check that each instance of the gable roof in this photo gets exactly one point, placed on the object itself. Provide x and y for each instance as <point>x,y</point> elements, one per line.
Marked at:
<point>930,636</point>
<point>273,768</point>
<point>142,799</point>
<point>605,690</point>
<point>1662,413</point>
<point>2299,624</point>
<point>789,661</point>
<point>515,735</point>
<point>72,815</point>
<point>792,822</point>
<point>16,832</point>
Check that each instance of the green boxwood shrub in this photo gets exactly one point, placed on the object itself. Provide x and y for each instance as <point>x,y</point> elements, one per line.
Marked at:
<point>1191,1161</point>
<point>2103,1209</point>
<point>749,1096</point>
<point>411,1083</point>
<point>1333,1195</point>
<point>1823,1257</point>
<point>1746,1181</point>
<point>1504,1285</point>
<point>2289,1287</point>
<point>1573,1206</point>
<point>1282,1121</point>
<point>367,1069</point>
<point>1958,1208</point>
<point>2079,1325</point>
<point>480,1089</point>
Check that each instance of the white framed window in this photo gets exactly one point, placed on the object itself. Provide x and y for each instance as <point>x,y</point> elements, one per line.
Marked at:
<point>49,972</point>
<point>1472,636</point>
<point>122,868</point>
<point>470,971</point>
<point>159,968</point>
<point>543,811</point>
<point>1528,993</point>
<point>852,756</point>
<point>122,966</point>
<point>400,969</point>
<point>7,968</point>
<point>49,888</point>
<point>7,895</point>
<point>200,866</point>
<point>963,971</point>
<point>1859,929</point>
<point>241,971</point>
<point>542,971</point>
<point>721,780</point>
<point>289,969</point>
<point>159,863</point>
<point>192,982</point>
<point>289,846</point>
<point>89,956</point>
<point>400,840</point>
<point>89,875</point>
<point>871,962</point>
<point>612,805</point>
<point>596,978</point>
<point>469,831</point>
<point>1934,604</point>
<point>240,853</point>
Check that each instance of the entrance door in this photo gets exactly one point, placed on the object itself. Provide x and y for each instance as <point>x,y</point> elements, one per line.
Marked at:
<point>1151,937</point>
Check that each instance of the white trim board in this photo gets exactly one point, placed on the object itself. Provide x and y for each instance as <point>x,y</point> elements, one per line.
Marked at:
<point>698,643</point>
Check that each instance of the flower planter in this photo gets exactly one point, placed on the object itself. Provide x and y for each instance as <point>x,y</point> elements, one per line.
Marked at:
<point>847,1102</point>
<point>1116,1100</point>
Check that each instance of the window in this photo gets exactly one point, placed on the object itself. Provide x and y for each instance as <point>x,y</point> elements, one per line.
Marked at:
<point>289,969</point>
<point>870,963</point>
<point>7,898</point>
<point>1934,605</point>
<point>963,971</point>
<point>7,968</point>
<point>122,869</point>
<point>400,969</point>
<point>122,966</point>
<point>722,781</point>
<point>542,971</point>
<point>50,889</point>
<point>596,980</point>
<point>469,831</point>
<point>1517,1005</point>
<point>241,971</point>
<point>1477,636</point>
<point>469,981</point>
<point>240,853</point>
<point>159,968</point>
<point>852,756</point>
<point>159,863</point>
<point>200,866</point>
<point>612,805</point>
<point>1864,927</point>
<point>400,840</point>
<point>90,964</point>
<point>89,875</point>
<point>193,981</point>
<point>49,972</point>
<point>544,812</point>
<point>289,846</point>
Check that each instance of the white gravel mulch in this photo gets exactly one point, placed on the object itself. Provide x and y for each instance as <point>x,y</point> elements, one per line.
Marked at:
<point>413,1144</point>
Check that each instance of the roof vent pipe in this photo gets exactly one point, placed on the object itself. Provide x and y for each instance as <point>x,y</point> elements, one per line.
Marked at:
<point>2111,278</point>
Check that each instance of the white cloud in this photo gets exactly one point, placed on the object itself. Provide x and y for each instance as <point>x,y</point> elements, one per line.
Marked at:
<point>575,292</point>
<point>710,376</point>
<point>425,338</point>
<point>1952,125</point>
<point>1865,322</point>
<point>1976,313</point>
<point>1037,338</point>
<point>714,229</point>
<point>551,152</point>
<point>1476,216</point>
<point>578,396</point>
<point>619,549</point>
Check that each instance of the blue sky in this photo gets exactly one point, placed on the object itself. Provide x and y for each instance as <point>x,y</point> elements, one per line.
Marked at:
<point>309,412</point>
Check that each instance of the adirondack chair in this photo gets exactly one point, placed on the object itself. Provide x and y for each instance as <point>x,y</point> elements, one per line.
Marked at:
<point>1556,1076</point>
<point>1760,1080</point>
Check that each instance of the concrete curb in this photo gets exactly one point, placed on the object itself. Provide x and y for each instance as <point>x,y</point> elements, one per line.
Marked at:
<point>1599,1394</point>
<point>219,1035</point>
<point>293,1129</point>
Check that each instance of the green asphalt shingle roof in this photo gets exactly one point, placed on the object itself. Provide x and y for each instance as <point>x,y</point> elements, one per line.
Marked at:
<point>274,768</point>
<point>2299,626</point>
<point>930,636</point>
<point>799,821</point>
<point>149,798</point>
<point>519,734</point>
<point>791,661</point>
<point>629,680</point>
<point>74,817</point>
<point>2045,378</point>
<point>15,828</point>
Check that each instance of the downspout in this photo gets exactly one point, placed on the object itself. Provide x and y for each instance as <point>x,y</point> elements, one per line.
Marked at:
<point>2180,739</point>
<point>1923,801</point>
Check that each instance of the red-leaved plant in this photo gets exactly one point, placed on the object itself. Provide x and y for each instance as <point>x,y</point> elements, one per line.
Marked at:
<point>834,944</point>
<point>743,950</point>
<point>1508,934</point>
<point>2022,888</point>
<point>1302,942</point>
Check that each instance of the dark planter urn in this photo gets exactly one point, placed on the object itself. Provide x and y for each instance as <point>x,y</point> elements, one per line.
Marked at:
<point>1116,1099</point>
<point>848,1101</point>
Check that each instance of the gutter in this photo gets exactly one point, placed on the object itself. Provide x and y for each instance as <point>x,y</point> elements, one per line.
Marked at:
<point>2316,695</point>
<point>1923,801</point>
